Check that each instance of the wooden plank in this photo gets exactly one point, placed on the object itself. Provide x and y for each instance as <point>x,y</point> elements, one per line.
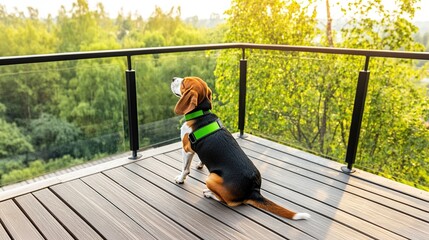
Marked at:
<point>341,224</point>
<point>153,221</point>
<point>3,234</point>
<point>229,216</point>
<point>117,160</point>
<point>110,222</point>
<point>186,215</point>
<point>357,180</point>
<point>16,223</point>
<point>413,205</point>
<point>388,202</point>
<point>251,221</point>
<point>387,183</point>
<point>40,217</point>
<point>77,226</point>
<point>372,212</point>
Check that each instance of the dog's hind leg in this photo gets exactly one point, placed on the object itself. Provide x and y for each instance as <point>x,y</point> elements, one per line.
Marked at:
<point>200,164</point>
<point>218,191</point>
<point>209,194</point>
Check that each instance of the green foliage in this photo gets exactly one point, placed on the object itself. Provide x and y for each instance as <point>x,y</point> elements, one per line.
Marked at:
<point>12,141</point>
<point>306,100</point>
<point>397,149</point>
<point>77,109</point>
<point>49,132</point>
<point>35,169</point>
<point>390,30</point>
<point>55,115</point>
<point>2,110</point>
<point>271,21</point>
<point>94,99</point>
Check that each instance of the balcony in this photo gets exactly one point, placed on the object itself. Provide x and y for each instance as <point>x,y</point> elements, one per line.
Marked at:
<point>133,195</point>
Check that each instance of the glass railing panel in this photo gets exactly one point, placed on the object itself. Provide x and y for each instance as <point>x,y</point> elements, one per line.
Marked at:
<point>394,139</point>
<point>303,100</point>
<point>57,115</point>
<point>226,89</point>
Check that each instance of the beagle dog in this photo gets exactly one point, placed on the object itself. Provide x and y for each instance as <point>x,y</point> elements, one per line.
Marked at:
<point>233,178</point>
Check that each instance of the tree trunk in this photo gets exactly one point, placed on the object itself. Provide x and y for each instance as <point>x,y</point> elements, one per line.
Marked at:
<point>329,25</point>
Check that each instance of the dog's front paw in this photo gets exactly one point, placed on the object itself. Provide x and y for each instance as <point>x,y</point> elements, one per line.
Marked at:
<point>180,179</point>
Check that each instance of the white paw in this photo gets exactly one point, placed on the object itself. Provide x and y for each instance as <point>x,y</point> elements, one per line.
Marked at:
<point>207,193</point>
<point>200,165</point>
<point>180,179</point>
<point>301,216</point>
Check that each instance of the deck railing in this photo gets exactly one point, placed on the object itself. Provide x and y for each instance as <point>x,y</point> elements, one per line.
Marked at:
<point>359,100</point>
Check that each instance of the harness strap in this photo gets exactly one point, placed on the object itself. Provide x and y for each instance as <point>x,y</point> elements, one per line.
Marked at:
<point>196,114</point>
<point>205,131</point>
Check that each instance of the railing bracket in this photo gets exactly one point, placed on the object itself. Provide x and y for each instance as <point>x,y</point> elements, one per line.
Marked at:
<point>347,170</point>
<point>135,156</point>
<point>243,136</point>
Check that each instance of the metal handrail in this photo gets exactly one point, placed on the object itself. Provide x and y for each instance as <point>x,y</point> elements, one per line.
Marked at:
<point>14,60</point>
<point>360,95</point>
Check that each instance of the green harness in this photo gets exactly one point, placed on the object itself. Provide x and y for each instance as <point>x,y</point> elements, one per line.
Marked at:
<point>205,130</point>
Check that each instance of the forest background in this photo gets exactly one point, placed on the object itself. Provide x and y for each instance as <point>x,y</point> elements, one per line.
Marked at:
<point>60,114</point>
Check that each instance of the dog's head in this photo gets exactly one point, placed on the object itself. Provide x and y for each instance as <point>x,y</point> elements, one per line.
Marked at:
<point>192,91</point>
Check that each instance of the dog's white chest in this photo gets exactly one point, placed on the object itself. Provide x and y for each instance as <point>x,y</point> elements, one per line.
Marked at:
<point>184,130</point>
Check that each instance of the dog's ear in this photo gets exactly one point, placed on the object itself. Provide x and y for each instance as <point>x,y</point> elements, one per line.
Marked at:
<point>187,102</point>
<point>207,92</point>
<point>209,96</point>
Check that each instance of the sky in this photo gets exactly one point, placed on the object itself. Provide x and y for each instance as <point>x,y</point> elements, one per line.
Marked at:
<point>189,8</point>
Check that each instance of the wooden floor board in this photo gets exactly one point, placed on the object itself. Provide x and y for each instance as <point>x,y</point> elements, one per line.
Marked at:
<point>3,233</point>
<point>186,215</point>
<point>219,211</point>
<point>154,222</point>
<point>71,220</point>
<point>362,193</point>
<point>126,199</point>
<point>41,218</point>
<point>18,225</point>
<point>332,169</point>
<point>372,212</point>
<point>321,212</point>
<point>413,207</point>
<point>109,220</point>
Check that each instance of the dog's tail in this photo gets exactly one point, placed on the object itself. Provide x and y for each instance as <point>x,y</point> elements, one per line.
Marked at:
<point>257,200</point>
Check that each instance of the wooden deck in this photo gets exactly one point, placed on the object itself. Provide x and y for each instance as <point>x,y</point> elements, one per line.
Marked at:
<point>126,199</point>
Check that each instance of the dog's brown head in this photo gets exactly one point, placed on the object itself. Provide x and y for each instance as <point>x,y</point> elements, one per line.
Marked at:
<point>192,91</point>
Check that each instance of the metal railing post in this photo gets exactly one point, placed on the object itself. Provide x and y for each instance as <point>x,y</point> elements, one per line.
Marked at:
<point>242,94</point>
<point>358,109</point>
<point>133,129</point>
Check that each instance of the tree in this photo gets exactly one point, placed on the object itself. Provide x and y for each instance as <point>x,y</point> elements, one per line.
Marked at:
<point>53,137</point>
<point>27,90</point>
<point>94,101</point>
<point>306,99</point>
<point>12,141</point>
<point>397,149</point>
<point>290,23</point>
<point>78,107</point>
